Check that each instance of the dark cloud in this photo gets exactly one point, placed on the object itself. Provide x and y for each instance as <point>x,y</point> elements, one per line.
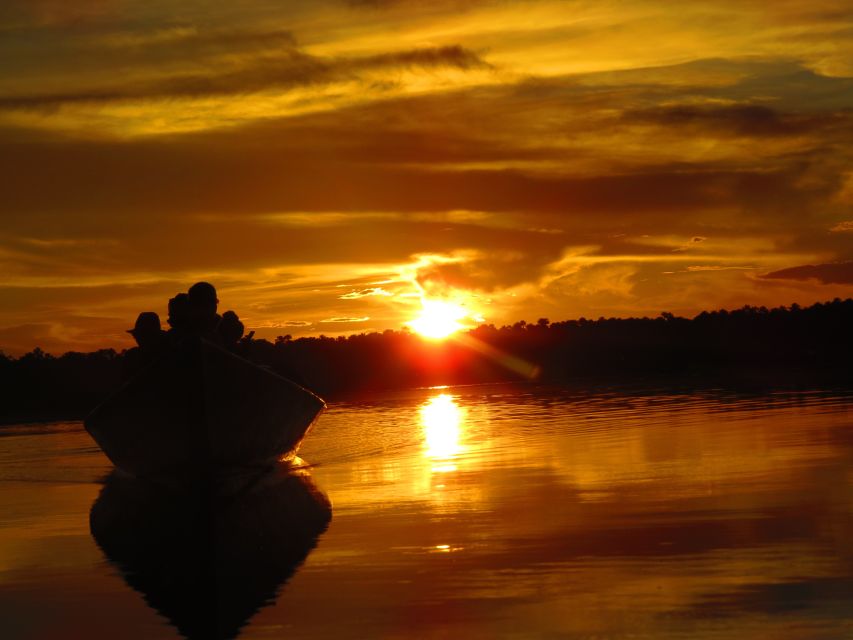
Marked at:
<point>289,68</point>
<point>810,236</point>
<point>788,85</point>
<point>167,177</point>
<point>739,120</point>
<point>490,270</point>
<point>238,243</point>
<point>448,56</point>
<point>831,273</point>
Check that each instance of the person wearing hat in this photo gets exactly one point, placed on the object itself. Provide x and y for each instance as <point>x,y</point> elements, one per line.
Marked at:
<point>147,331</point>
<point>149,338</point>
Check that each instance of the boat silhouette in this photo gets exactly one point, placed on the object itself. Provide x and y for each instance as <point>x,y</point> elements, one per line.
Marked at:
<point>200,411</point>
<point>209,561</point>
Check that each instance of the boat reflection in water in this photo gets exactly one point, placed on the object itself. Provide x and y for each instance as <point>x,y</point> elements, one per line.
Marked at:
<point>209,561</point>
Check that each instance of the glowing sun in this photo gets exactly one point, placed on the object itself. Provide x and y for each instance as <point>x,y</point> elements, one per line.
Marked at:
<point>438,319</point>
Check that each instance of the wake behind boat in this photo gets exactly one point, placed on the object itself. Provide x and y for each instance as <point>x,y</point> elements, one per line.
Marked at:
<point>198,411</point>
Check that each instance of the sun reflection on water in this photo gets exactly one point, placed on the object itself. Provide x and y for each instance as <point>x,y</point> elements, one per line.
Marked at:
<point>442,421</point>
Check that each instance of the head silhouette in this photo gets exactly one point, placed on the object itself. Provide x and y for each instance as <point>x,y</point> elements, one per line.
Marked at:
<point>202,302</point>
<point>230,329</point>
<point>146,331</point>
<point>179,311</point>
<point>202,296</point>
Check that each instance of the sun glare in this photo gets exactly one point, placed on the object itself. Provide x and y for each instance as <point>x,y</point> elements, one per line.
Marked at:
<point>442,421</point>
<point>438,319</point>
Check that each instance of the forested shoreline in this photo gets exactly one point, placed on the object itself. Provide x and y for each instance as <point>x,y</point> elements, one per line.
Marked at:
<point>751,346</point>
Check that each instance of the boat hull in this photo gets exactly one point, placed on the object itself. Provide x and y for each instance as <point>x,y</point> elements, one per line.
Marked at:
<point>199,410</point>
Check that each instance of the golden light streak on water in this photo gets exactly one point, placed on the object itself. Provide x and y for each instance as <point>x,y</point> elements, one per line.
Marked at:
<point>442,421</point>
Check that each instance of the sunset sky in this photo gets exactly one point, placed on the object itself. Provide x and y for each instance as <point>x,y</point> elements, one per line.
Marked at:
<point>330,164</point>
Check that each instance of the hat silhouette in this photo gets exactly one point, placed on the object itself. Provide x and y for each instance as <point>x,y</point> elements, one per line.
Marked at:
<point>147,321</point>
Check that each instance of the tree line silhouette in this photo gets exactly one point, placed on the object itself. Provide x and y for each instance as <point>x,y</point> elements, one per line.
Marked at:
<point>750,345</point>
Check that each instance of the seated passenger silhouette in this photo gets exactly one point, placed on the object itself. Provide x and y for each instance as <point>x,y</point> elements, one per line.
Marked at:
<point>230,329</point>
<point>179,315</point>
<point>150,341</point>
<point>202,302</point>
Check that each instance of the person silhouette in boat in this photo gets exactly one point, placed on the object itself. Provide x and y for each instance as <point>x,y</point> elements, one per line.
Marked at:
<point>179,315</point>
<point>202,316</point>
<point>203,320</point>
<point>150,340</point>
<point>230,330</point>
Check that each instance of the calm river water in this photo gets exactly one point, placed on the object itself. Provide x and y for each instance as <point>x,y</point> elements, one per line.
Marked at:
<point>467,512</point>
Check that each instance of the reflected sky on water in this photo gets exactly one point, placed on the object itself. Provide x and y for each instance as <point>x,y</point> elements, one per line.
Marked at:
<point>499,511</point>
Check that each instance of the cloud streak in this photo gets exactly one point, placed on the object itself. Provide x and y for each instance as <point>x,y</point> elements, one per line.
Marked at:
<point>833,273</point>
<point>288,68</point>
<point>746,120</point>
